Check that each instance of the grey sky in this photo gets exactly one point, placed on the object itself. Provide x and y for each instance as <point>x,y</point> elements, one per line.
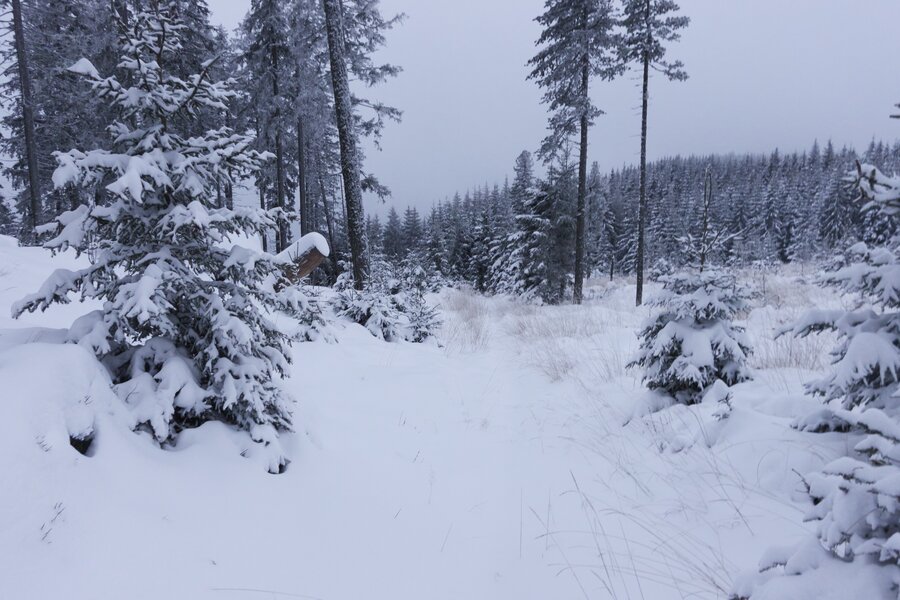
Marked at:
<point>764,74</point>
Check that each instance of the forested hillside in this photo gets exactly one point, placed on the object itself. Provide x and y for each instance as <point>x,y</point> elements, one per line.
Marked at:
<point>776,209</point>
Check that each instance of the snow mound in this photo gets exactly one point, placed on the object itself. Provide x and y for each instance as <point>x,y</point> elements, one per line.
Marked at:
<point>53,393</point>
<point>303,246</point>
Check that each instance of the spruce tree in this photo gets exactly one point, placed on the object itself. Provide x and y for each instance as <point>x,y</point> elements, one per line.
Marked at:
<point>392,238</point>
<point>692,343</point>
<point>648,25</point>
<point>577,43</point>
<point>854,500</point>
<point>268,74</point>
<point>355,31</point>
<point>184,324</point>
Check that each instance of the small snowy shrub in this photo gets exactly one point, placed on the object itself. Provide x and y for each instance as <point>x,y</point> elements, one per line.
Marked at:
<point>661,268</point>
<point>371,309</point>
<point>424,319</point>
<point>393,306</point>
<point>867,358</point>
<point>184,325</point>
<point>304,306</point>
<point>856,499</point>
<point>390,317</point>
<point>692,343</point>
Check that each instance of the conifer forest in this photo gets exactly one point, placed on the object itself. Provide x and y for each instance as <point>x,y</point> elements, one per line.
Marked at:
<point>482,300</point>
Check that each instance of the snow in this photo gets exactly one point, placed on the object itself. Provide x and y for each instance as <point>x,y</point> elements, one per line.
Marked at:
<point>303,246</point>
<point>513,462</point>
<point>85,67</point>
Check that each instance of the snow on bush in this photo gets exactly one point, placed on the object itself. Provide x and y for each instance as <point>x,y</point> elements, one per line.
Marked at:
<point>855,500</point>
<point>185,326</point>
<point>393,307</point>
<point>692,343</point>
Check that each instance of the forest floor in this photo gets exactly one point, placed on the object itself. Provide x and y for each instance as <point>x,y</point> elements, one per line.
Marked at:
<point>516,460</point>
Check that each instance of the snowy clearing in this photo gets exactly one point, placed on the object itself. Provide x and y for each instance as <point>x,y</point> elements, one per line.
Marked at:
<point>517,461</point>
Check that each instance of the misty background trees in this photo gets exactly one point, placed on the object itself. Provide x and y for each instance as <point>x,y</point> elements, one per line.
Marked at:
<point>762,210</point>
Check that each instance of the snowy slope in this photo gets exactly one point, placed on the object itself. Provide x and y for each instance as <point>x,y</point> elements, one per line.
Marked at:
<point>514,462</point>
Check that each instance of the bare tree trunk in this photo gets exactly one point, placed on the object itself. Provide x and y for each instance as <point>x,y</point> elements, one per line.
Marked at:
<point>282,230</point>
<point>229,195</point>
<point>707,202</point>
<point>261,186</point>
<point>343,108</point>
<point>306,224</point>
<point>34,182</point>
<point>335,251</point>
<point>578,292</point>
<point>642,211</point>
<point>281,239</point>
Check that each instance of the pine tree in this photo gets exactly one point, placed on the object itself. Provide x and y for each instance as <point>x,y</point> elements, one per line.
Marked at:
<point>692,343</point>
<point>27,111</point>
<point>392,238</point>
<point>412,230</point>
<point>184,325</point>
<point>435,261</point>
<point>268,71</point>
<point>577,43</point>
<point>648,24</point>
<point>354,34</point>
<point>854,499</point>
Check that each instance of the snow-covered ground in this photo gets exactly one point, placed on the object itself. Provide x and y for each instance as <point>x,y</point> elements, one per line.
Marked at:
<point>518,460</point>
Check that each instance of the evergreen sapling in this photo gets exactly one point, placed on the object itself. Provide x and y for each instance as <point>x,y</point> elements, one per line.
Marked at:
<point>692,342</point>
<point>184,325</point>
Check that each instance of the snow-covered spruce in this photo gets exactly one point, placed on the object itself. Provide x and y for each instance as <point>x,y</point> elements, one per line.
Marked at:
<point>393,306</point>
<point>373,310</point>
<point>184,326</point>
<point>856,499</point>
<point>692,343</point>
<point>424,320</point>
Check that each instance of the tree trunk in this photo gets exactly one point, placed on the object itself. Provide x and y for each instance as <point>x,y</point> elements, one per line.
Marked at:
<point>261,185</point>
<point>31,160</point>
<point>642,212</point>
<point>281,241</point>
<point>707,201</point>
<point>578,292</point>
<point>229,195</point>
<point>282,230</point>
<point>335,251</point>
<point>306,225</point>
<point>343,109</point>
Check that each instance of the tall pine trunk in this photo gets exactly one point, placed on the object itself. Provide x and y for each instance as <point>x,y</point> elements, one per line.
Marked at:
<point>642,211</point>
<point>707,202</point>
<point>343,109</point>
<point>306,225</point>
<point>229,195</point>
<point>329,223</point>
<point>31,160</point>
<point>281,242</point>
<point>281,239</point>
<point>580,218</point>
<point>261,186</point>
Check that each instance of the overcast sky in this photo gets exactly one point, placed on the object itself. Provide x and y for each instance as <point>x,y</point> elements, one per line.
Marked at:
<point>763,74</point>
